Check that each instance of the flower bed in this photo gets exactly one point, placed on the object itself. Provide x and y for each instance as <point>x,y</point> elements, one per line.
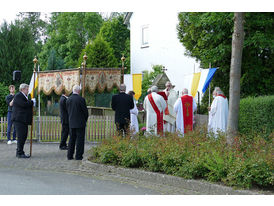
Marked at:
<point>245,164</point>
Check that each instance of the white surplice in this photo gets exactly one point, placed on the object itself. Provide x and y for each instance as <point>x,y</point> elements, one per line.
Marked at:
<point>134,126</point>
<point>151,116</point>
<point>171,118</point>
<point>178,108</point>
<point>218,115</point>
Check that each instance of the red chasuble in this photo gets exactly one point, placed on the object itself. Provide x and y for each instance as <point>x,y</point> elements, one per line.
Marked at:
<point>163,94</point>
<point>158,113</point>
<point>187,104</point>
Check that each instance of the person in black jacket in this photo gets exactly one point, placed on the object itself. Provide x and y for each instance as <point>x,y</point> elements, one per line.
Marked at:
<point>22,117</point>
<point>122,103</point>
<point>64,121</point>
<point>78,116</point>
<point>9,100</point>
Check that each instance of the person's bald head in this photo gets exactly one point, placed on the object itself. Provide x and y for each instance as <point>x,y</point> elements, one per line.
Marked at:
<point>185,91</point>
<point>123,88</point>
<point>154,89</point>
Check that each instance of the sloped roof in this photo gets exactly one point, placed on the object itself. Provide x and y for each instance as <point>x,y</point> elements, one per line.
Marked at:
<point>160,81</point>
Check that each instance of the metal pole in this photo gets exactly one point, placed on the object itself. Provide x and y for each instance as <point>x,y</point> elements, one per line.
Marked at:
<point>123,60</point>
<point>209,89</point>
<point>84,74</point>
<point>34,70</point>
<point>39,110</point>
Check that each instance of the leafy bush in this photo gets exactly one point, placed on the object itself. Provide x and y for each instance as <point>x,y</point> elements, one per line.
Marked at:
<point>247,163</point>
<point>4,91</point>
<point>256,115</point>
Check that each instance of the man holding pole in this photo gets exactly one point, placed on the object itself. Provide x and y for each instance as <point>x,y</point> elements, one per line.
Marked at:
<point>22,117</point>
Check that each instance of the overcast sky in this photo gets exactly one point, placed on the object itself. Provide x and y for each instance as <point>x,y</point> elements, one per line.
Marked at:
<point>9,8</point>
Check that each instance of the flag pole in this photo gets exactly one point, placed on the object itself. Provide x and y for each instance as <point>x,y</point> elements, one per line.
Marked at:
<point>209,88</point>
<point>39,108</point>
<point>34,70</point>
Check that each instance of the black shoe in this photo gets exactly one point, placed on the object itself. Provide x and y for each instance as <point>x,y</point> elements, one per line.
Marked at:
<point>79,158</point>
<point>70,158</point>
<point>23,156</point>
<point>63,148</point>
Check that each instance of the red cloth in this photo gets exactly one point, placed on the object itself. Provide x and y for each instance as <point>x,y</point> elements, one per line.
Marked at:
<point>222,96</point>
<point>187,104</point>
<point>158,113</point>
<point>163,94</point>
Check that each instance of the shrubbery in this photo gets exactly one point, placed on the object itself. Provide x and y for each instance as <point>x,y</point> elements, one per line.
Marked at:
<point>245,164</point>
<point>256,115</point>
<point>4,91</point>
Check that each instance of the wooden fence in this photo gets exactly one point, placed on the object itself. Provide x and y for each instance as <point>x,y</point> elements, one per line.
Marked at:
<point>49,128</point>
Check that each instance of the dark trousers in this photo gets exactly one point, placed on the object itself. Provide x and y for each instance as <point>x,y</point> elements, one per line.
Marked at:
<point>77,135</point>
<point>122,128</point>
<point>64,135</point>
<point>22,132</point>
<point>9,127</point>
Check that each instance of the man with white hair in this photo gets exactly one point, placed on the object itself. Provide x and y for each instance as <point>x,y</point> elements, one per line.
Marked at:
<point>169,114</point>
<point>218,112</point>
<point>155,105</point>
<point>22,117</point>
<point>78,116</point>
<point>184,108</point>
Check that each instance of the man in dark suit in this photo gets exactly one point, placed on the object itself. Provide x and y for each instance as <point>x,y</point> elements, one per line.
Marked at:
<point>64,122</point>
<point>122,103</point>
<point>22,117</point>
<point>78,116</point>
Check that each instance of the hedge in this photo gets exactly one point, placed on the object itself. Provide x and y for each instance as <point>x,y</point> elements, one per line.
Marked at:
<point>4,91</point>
<point>256,115</point>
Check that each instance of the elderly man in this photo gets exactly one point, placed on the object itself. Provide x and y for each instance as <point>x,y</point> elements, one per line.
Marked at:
<point>78,116</point>
<point>155,105</point>
<point>169,114</point>
<point>218,112</point>
<point>22,117</point>
<point>122,103</point>
<point>184,108</point>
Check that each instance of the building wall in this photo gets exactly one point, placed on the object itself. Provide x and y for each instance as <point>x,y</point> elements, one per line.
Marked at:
<point>164,46</point>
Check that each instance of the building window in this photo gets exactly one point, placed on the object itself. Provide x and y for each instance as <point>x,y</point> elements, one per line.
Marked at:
<point>145,36</point>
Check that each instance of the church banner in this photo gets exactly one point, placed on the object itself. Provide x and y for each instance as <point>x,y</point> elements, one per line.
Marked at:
<point>102,79</point>
<point>57,81</point>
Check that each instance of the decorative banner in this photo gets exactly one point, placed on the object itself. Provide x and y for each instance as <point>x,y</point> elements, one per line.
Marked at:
<point>137,85</point>
<point>58,80</point>
<point>195,83</point>
<point>102,78</point>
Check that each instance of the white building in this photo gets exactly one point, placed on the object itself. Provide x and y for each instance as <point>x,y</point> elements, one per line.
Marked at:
<point>154,41</point>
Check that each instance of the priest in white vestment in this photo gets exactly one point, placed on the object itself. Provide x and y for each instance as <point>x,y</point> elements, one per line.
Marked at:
<point>134,125</point>
<point>154,105</point>
<point>169,114</point>
<point>180,112</point>
<point>218,114</point>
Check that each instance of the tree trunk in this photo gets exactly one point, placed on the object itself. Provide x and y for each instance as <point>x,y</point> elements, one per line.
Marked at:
<point>235,75</point>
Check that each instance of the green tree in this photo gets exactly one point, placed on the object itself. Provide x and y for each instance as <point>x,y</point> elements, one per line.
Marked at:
<point>100,54</point>
<point>208,36</point>
<point>55,62</point>
<point>68,33</point>
<point>4,91</point>
<point>17,50</point>
<point>148,78</point>
<point>117,34</point>
<point>37,27</point>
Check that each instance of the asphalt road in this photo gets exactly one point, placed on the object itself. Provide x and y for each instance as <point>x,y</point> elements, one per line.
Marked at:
<point>48,172</point>
<point>34,182</point>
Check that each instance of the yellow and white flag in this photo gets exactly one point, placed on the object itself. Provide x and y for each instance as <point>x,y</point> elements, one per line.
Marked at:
<point>33,81</point>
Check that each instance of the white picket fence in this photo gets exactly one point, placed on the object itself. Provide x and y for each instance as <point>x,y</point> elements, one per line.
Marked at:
<point>48,129</point>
